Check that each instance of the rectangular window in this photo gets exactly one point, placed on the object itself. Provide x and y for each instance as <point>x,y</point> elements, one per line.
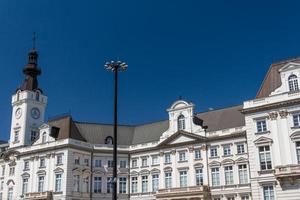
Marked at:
<point>1,196</point>
<point>33,135</point>
<point>167,158</point>
<point>296,120</point>
<point>76,183</point>
<point>199,176</point>
<point>245,197</point>
<point>182,156</point>
<point>41,181</point>
<point>155,182</point>
<point>168,179</point>
<point>2,185</point>
<point>243,174</point>
<point>26,165</point>
<point>12,171</point>
<point>110,163</point>
<point>109,184</point>
<point>98,163</point>
<point>144,162</point>
<point>268,192</point>
<point>86,162</point>
<point>144,184</point>
<point>10,194</point>
<point>265,158</point>
<point>228,175</point>
<point>3,170</point>
<point>155,160</point>
<point>240,148</point>
<point>134,184</point>
<point>77,161</point>
<point>261,126</point>
<point>213,152</point>
<point>42,162</point>
<point>226,150</point>
<point>134,163</point>
<point>298,151</point>
<point>215,176</point>
<point>25,186</point>
<point>122,185</point>
<point>123,163</point>
<point>86,183</point>
<point>59,159</point>
<point>97,184</point>
<point>197,154</point>
<point>183,178</point>
<point>58,178</point>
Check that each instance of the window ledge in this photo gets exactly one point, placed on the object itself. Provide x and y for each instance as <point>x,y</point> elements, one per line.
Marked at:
<point>215,157</point>
<point>58,192</point>
<point>168,163</point>
<point>267,171</point>
<point>197,159</point>
<point>240,154</point>
<point>145,166</point>
<point>26,170</point>
<point>154,165</point>
<point>263,132</point>
<point>42,167</point>
<point>225,156</point>
<point>134,167</point>
<point>295,127</point>
<point>182,161</point>
<point>59,164</point>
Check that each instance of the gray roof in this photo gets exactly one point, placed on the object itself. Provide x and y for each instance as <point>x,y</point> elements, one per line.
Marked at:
<point>223,118</point>
<point>96,133</point>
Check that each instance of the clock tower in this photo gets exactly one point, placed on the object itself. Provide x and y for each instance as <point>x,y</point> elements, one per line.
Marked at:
<point>28,105</point>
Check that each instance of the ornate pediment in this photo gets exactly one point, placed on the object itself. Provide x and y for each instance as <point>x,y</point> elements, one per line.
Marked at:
<point>41,172</point>
<point>263,140</point>
<point>241,160</point>
<point>295,135</point>
<point>58,170</point>
<point>214,163</point>
<point>155,171</point>
<point>182,137</point>
<point>289,66</point>
<point>145,171</point>
<point>227,161</point>
<point>25,175</point>
<point>134,173</point>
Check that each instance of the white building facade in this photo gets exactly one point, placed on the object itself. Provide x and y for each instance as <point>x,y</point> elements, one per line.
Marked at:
<point>250,151</point>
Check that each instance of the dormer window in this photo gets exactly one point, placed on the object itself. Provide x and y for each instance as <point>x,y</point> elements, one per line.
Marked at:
<point>181,122</point>
<point>293,83</point>
<point>109,140</point>
<point>44,137</point>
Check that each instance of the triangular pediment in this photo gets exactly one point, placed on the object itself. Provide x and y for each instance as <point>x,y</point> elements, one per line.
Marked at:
<point>44,126</point>
<point>182,137</point>
<point>263,140</point>
<point>289,66</point>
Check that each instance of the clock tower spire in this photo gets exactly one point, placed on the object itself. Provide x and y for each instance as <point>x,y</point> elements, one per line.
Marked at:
<point>28,104</point>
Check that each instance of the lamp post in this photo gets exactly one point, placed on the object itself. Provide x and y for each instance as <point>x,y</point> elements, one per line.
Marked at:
<point>115,66</point>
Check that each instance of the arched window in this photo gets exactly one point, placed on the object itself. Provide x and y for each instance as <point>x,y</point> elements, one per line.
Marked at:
<point>181,122</point>
<point>44,137</point>
<point>293,83</point>
<point>109,140</point>
<point>37,96</point>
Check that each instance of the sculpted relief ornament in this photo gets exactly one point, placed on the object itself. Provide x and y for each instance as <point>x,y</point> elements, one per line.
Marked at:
<point>273,115</point>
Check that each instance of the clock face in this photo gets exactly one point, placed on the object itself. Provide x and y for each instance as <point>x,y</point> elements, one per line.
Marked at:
<point>18,113</point>
<point>35,113</point>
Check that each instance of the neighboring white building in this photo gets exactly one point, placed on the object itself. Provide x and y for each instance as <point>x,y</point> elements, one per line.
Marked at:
<point>250,151</point>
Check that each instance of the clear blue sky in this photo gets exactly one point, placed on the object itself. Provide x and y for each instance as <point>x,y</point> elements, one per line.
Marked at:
<point>214,54</point>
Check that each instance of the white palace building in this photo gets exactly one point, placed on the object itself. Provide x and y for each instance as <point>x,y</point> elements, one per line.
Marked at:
<point>250,151</point>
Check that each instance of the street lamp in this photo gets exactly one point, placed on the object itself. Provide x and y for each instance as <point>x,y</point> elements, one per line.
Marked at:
<point>115,66</point>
